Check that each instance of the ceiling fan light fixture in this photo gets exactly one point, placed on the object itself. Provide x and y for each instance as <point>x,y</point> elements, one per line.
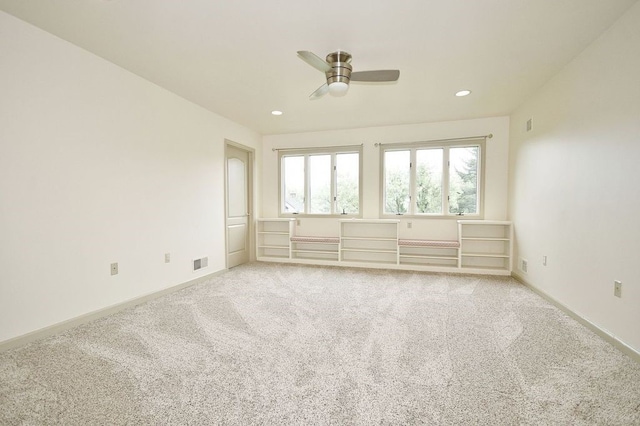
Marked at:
<point>338,88</point>
<point>338,71</point>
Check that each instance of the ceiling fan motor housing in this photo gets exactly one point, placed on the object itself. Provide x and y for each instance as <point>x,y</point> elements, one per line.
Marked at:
<point>337,70</point>
<point>340,67</point>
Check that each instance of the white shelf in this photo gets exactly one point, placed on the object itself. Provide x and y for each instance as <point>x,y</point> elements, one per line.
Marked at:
<point>484,239</point>
<point>324,251</point>
<point>369,239</point>
<point>487,268</point>
<point>485,245</point>
<point>484,222</point>
<point>373,241</point>
<point>370,221</point>
<point>363,250</point>
<point>315,251</point>
<point>504,256</point>
<point>272,238</point>
<point>425,256</point>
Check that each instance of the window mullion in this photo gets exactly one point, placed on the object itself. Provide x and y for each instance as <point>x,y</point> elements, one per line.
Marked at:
<point>334,185</point>
<point>445,181</point>
<point>413,192</point>
<point>307,185</point>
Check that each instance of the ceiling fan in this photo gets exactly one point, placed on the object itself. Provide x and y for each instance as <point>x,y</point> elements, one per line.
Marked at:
<point>337,68</point>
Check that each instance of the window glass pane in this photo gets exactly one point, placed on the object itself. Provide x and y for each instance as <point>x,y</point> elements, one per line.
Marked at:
<point>320,184</point>
<point>463,180</point>
<point>347,183</point>
<point>429,180</point>
<point>293,178</point>
<point>396,181</point>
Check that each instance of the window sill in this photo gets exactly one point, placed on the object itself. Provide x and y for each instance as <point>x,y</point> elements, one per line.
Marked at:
<point>428,217</point>
<point>321,216</point>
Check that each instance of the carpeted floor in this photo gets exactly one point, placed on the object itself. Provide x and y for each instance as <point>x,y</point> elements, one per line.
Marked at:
<point>291,344</point>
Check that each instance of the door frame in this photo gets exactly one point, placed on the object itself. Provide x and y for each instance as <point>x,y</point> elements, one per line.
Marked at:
<point>250,200</point>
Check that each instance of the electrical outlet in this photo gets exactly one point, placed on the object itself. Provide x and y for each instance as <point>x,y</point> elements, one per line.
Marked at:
<point>524,265</point>
<point>544,260</point>
<point>114,268</point>
<point>529,124</point>
<point>409,225</point>
<point>617,288</point>
<point>167,257</point>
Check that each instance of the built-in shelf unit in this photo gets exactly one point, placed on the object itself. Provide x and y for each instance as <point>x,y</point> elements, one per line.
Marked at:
<point>273,238</point>
<point>481,246</point>
<point>428,252</point>
<point>485,245</point>
<point>315,248</point>
<point>369,241</point>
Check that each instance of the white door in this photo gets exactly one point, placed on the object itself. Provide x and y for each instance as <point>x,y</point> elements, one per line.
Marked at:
<point>237,206</point>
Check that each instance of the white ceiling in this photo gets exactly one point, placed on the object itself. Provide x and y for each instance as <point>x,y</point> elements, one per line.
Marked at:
<point>238,58</point>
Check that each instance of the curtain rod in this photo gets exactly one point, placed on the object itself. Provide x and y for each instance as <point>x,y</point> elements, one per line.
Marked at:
<point>316,148</point>
<point>489,136</point>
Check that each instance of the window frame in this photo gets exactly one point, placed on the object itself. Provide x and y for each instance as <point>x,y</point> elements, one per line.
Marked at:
<point>306,153</point>
<point>446,145</point>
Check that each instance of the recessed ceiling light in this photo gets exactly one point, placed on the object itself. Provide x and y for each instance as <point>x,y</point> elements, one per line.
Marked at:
<point>463,93</point>
<point>276,112</point>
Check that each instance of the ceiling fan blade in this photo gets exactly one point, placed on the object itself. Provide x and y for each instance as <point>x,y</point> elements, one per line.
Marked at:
<point>314,60</point>
<point>320,92</point>
<point>375,76</point>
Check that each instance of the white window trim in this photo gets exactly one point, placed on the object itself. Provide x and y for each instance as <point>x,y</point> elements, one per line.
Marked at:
<point>306,152</point>
<point>413,147</point>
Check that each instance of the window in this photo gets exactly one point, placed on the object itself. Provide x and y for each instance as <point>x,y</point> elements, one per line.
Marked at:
<point>320,182</point>
<point>434,179</point>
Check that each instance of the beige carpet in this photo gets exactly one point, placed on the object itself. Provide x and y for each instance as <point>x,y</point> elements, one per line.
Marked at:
<point>290,344</point>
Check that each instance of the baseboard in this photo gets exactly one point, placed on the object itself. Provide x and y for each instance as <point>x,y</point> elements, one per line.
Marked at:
<point>607,336</point>
<point>400,267</point>
<point>100,313</point>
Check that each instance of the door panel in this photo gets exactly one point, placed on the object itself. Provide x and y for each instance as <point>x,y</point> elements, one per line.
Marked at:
<point>237,206</point>
<point>236,238</point>
<point>236,186</point>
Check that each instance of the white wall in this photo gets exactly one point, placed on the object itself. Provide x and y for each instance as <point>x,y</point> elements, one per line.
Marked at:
<point>496,169</point>
<point>97,166</point>
<point>575,190</point>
